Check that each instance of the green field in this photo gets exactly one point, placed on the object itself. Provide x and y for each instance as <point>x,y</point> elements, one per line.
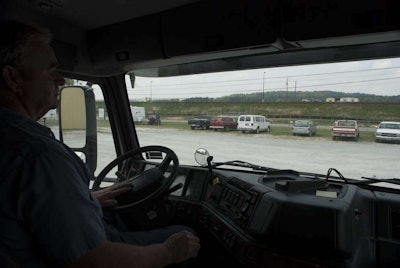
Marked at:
<point>325,113</point>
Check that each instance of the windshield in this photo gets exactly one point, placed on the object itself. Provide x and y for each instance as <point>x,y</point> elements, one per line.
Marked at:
<point>301,124</point>
<point>176,112</point>
<point>390,125</point>
<point>346,123</point>
<point>365,91</point>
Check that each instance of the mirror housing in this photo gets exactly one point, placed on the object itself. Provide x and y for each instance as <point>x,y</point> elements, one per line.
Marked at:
<point>77,115</point>
<point>201,155</point>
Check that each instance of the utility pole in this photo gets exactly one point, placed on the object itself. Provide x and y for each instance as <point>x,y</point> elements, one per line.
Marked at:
<point>151,91</point>
<point>287,88</point>
<point>263,98</point>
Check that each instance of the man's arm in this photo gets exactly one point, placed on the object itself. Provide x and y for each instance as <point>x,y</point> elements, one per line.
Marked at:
<point>177,248</point>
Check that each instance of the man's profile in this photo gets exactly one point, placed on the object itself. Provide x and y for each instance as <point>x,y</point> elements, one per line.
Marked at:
<point>49,217</point>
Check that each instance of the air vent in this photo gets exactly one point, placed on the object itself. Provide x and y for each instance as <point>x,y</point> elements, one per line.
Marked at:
<point>240,184</point>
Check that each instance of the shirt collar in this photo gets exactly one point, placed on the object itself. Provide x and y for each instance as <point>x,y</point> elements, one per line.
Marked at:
<point>22,122</point>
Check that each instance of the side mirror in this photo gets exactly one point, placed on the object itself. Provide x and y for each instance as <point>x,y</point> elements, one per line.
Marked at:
<point>201,156</point>
<point>77,122</point>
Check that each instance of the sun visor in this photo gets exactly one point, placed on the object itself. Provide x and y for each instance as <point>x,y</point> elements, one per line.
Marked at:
<point>67,54</point>
<point>210,26</point>
<point>131,41</point>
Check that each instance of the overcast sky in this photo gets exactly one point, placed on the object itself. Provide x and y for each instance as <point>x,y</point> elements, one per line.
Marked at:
<point>379,77</point>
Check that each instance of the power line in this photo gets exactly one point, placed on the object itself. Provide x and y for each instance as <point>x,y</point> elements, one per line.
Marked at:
<point>278,77</point>
<point>283,88</point>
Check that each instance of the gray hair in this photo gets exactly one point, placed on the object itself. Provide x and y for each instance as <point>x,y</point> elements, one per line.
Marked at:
<point>15,42</point>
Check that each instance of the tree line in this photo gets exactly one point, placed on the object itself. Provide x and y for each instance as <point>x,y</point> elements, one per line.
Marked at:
<point>299,96</point>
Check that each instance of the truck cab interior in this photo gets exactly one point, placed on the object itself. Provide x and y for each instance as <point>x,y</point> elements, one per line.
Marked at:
<point>246,215</point>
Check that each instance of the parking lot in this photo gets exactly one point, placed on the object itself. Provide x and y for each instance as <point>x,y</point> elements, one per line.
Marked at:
<point>307,154</point>
<point>352,159</point>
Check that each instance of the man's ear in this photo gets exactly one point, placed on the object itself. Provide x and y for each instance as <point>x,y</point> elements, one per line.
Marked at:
<point>11,77</point>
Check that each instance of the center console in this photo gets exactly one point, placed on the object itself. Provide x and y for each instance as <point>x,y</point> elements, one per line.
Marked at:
<point>285,214</point>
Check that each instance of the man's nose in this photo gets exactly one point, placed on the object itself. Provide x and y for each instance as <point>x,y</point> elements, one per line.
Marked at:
<point>60,79</point>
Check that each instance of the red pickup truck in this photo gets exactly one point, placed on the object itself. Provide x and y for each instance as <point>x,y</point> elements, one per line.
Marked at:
<point>345,129</point>
<point>226,123</point>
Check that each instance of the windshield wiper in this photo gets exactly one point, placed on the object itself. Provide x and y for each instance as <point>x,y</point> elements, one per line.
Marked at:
<point>239,163</point>
<point>390,180</point>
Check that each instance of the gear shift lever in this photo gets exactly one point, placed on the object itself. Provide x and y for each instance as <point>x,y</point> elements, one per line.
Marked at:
<point>209,159</point>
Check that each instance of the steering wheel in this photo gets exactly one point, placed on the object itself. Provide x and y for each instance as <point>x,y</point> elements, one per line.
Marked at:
<point>148,184</point>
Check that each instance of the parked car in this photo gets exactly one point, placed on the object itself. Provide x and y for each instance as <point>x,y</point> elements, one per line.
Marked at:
<point>200,121</point>
<point>223,122</point>
<point>154,119</point>
<point>345,129</point>
<point>304,127</point>
<point>253,123</point>
<point>388,131</point>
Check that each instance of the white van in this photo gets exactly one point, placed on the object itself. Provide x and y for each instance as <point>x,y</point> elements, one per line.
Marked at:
<point>253,123</point>
<point>138,114</point>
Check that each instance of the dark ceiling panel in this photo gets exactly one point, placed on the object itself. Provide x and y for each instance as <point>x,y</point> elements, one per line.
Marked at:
<point>132,41</point>
<point>210,26</point>
<point>316,19</point>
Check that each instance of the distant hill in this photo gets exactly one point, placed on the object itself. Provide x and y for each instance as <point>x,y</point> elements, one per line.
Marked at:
<point>370,108</point>
<point>298,96</point>
<point>321,110</point>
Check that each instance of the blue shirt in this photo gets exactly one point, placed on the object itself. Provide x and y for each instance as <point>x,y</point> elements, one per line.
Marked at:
<point>47,214</point>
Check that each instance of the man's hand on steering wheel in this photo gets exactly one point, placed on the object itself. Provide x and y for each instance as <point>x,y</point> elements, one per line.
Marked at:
<point>153,180</point>
<point>106,196</point>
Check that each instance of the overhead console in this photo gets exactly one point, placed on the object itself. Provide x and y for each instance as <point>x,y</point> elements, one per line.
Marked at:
<point>338,23</point>
<point>141,42</point>
<point>202,27</point>
<point>208,26</point>
<point>224,34</point>
<point>235,34</point>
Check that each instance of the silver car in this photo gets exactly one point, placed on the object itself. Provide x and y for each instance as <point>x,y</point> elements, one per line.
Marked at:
<point>388,132</point>
<point>304,127</point>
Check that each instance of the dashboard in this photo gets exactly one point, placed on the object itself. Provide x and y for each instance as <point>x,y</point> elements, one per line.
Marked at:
<point>283,219</point>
